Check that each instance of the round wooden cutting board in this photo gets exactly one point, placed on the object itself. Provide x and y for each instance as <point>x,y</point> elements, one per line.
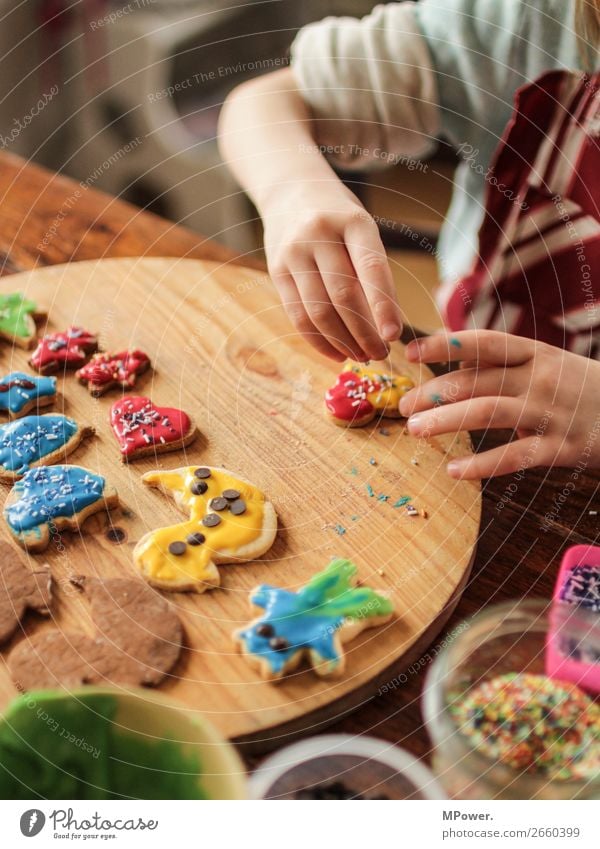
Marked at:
<point>223,350</point>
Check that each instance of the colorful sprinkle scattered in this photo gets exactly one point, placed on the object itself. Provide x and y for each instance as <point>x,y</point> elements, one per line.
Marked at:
<point>533,724</point>
<point>340,530</point>
<point>383,497</point>
<point>592,512</point>
<point>414,461</point>
<point>353,470</point>
<point>455,342</point>
<point>402,501</point>
<point>370,490</point>
<point>373,461</point>
<point>436,398</point>
<point>355,518</point>
<point>384,431</point>
<point>412,511</point>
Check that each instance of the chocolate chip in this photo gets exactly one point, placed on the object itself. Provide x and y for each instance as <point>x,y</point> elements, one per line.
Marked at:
<point>196,538</point>
<point>219,503</point>
<point>279,644</point>
<point>198,487</point>
<point>265,630</point>
<point>202,472</point>
<point>211,520</point>
<point>231,494</point>
<point>178,547</point>
<point>238,507</point>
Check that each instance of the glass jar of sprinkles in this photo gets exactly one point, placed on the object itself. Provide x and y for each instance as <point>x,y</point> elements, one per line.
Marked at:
<point>500,727</point>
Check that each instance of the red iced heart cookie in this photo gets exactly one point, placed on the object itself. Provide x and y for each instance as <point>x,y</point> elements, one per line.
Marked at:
<point>143,428</point>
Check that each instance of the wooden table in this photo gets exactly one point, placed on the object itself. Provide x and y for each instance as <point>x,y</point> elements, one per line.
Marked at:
<point>515,556</point>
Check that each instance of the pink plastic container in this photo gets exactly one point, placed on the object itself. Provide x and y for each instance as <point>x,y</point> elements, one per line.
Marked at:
<point>572,649</point>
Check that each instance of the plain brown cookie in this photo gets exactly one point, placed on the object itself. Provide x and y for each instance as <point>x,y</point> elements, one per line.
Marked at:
<point>138,641</point>
<point>21,589</point>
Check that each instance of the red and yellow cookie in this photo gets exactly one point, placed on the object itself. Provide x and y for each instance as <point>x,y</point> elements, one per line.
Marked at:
<point>359,394</point>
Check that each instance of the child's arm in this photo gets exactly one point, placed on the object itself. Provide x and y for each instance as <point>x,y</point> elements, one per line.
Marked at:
<point>323,249</point>
<point>547,395</point>
<point>362,94</point>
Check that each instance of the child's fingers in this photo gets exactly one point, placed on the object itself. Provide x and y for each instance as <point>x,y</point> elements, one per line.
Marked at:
<point>373,271</point>
<point>297,314</point>
<point>488,346</point>
<point>322,312</point>
<point>498,461</point>
<point>474,364</point>
<point>477,414</point>
<point>460,386</point>
<point>348,298</point>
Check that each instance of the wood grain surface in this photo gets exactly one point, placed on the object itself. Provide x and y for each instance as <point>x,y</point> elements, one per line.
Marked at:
<point>513,558</point>
<point>221,350</point>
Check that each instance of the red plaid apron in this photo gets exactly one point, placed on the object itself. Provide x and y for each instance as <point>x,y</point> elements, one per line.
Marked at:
<point>538,269</point>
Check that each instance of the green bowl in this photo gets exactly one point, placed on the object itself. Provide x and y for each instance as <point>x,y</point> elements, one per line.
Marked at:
<point>108,743</point>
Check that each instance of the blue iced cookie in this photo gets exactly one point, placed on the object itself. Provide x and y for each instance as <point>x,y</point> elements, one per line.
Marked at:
<point>20,393</point>
<point>311,623</point>
<point>50,499</point>
<point>36,440</point>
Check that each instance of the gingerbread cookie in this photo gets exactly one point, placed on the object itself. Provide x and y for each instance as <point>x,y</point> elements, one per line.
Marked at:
<point>20,393</point>
<point>141,428</point>
<point>50,499</point>
<point>107,370</point>
<point>21,589</point>
<point>64,350</point>
<point>359,394</point>
<point>137,642</point>
<point>17,319</point>
<point>312,623</point>
<point>35,441</point>
<point>230,521</point>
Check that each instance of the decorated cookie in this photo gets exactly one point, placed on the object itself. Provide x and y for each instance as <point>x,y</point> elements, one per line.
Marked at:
<point>107,370</point>
<point>141,428</point>
<point>65,350</point>
<point>230,521</point>
<point>138,641</point>
<point>20,393</point>
<point>311,623</point>
<point>50,499</point>
<point>17,319</point>
<point>21,589</point>
<point>359,394</point>
<point>36,440</point>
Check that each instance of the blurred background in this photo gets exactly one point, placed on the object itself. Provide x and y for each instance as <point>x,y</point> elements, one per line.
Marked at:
<point>124,96</point>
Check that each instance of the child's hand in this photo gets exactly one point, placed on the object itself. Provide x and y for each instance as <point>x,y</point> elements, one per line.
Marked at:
<point>328,263</point>
<point>547,395</point>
